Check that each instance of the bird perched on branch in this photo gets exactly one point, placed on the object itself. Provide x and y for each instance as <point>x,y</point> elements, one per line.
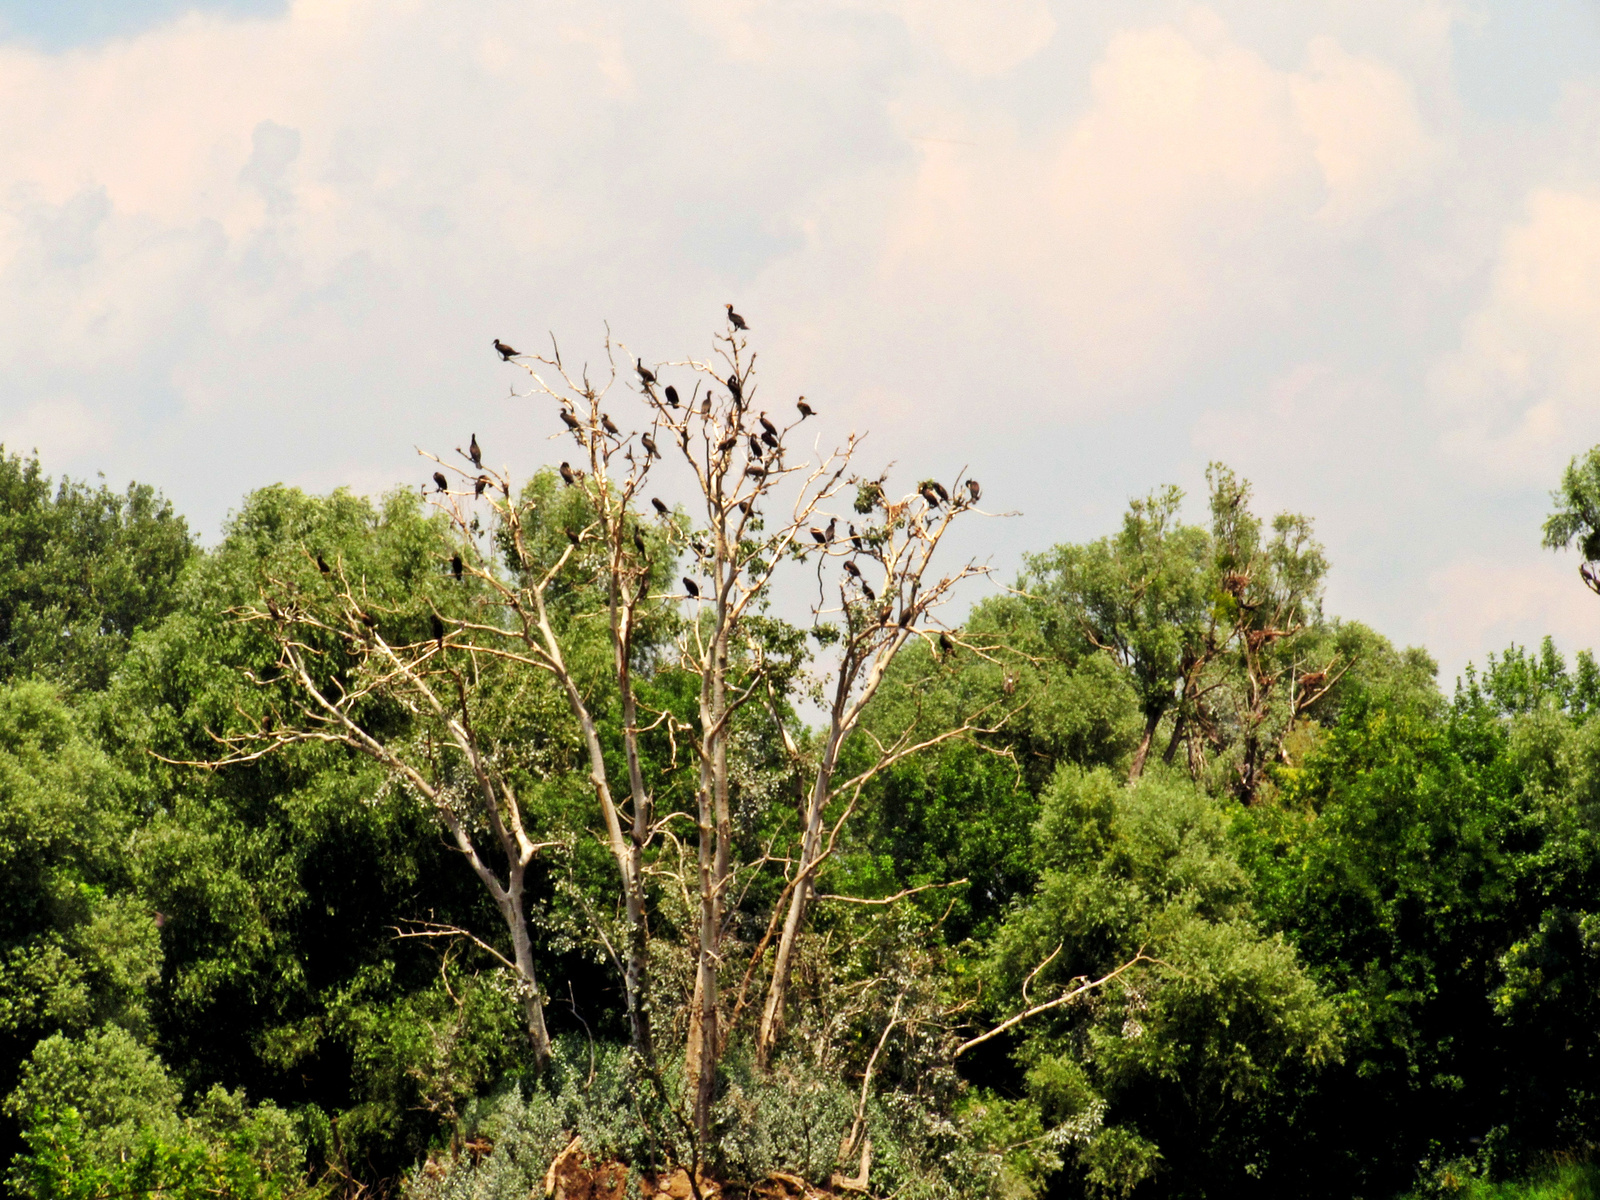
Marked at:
<point>945,644</point>
<point>322,565</point>
<point>805,409</point>
<point>456,565</point>
<point>771,439</point>
<point>638,541</point>
<point>767,425</point>
<point>734,318</point>
<point>756,472</point>
<point>649,444</point>
<point>506,352</point>
<point>481,483</point>
<point>438,631</point>
<point>944,496</point>
<point>571,421</point>
<point>727,443</point>
<point>691,587</point>
<point>851,568</point>
<point>672,395</point>
<point>818,536</point>
<point>443,483</point>
<point>974,490</point>
<point>855,538</point>
<point>608,425</point>
<point>927,493</point>
<point>735,387</point>
<point>474,453</point>
<point>660,506</point>
<point>833,527</point>
<point>755,447</point>
<point>872,596</point>
<point>646,375</point>
<point>567,477</point>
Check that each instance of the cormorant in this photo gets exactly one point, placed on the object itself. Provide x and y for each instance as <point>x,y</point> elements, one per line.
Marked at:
<point>734,318</point>
<point>944,496</point>
<point>482,482</point>
<point>755,447</point>
<point>728,443</point>
<point>322,565</point>
<point>649,444</point>
<point>756,472</point>
<point>851,568</point>
<point>691,587</point>
<point>866,590</point>
<point>818,536</point>
<point>608,425</point>
<point>474,453</point>
<point>855,538</point>
<point>805,409</point>
<point>769,438</point>
<point>767,425</point>
<point>975,490</point>
<point>567,477</point>
<point>438,631</point>
<point>660,506</point>
<point>438,478</point>
<point>456,565</point>
<point>571,421</point>
<point>506,352</point>
<point>928,494</point>
<point>672,395</point>
<point>367,619</point>
<point>638,541</point>
<point>736,388</point>
<point>833,527</point>
<point>646,375</point>
<point>575,538</point>
<point>945,644</point>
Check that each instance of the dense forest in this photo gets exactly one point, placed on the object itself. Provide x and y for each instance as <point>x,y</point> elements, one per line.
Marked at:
<point>511,837</point>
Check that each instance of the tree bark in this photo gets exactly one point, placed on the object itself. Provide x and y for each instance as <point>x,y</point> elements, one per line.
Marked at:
<point>1151,721</point>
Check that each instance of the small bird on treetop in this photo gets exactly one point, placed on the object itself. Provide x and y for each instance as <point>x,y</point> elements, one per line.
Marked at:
<point>456,565</point>
<point>572,422</point>
<point>945,644</point>
<point>438,631</point>
<point>767,425</point>
<point>482,482</point>
<point>608,425</point>
<point>851,568</point>
<point>567,477</point>
<point>805,409</point>
<point>322,565</point>
<point>833,527</point>
<point>928,494</point>
<point>855,538</point>
<point>691,587</point>
<point>646,375</point>
<point>474,453</point>
<point>755,447</point>
<point>438,478</point>
<point>770,438</point>
<point>734,318</point>
<point>818,536</point>
<point>736,388</point>
<point>975,490</point>
<point>944,496</point>
<point>672,395</point>
<point>649,444</point>
<point>506,352</point>
<point>866,590</point>
<point>659,505</point>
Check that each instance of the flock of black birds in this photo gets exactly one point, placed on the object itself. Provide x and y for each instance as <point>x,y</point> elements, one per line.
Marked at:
<point>762,448</point>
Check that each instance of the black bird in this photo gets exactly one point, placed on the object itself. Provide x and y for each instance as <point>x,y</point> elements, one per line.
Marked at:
<point>728,443</point>
<point>575,538</point>
<point>818,536</point>
<point>770,439</point>
<point>755,447</point>
<point>851,568</point>
<point>273,610</point>
<point>646,375</point>
<point>322,565</point>
<point>833,527</point>
<point>638,541</point>
<point>855,538</point>
<point>608,425</point>
<point>767,425</point>
<point>367,619</point>
<point>744,507</point>
<point>691,587</point>
<point>649,444</point>
<point>736,388</point>
<point>456,565</point>
<point>672,395</point>
<point>756,472</point>
<point>945,644</point>
<point>975,490</point>
<point>734,318</point>
<point>928,494</point>
<point>483,482</point>
<point>705,406</point>
<point>572,422</point>
<point>944,496</point>
<point>660,507</point>
<point>474,453</point>
<point>866,590</point>
<point>438,478</point>
<point>805,409</point>
<point>905,617</point>
<point>567,477</point>
<point>506,352</point>
<point>438,631</point>
<point>884,614</point>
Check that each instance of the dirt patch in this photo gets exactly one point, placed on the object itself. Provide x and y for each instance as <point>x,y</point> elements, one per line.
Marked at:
<point>574,1176</point>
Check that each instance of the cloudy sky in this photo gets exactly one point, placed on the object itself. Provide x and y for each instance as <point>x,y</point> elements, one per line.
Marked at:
<point>1349,247</point>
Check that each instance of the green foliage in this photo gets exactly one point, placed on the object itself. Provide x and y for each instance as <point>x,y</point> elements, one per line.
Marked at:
<point>81,570</point>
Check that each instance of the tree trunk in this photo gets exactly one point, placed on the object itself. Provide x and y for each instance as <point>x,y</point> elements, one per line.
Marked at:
<point>522,955</point>
<point>1151,721</point>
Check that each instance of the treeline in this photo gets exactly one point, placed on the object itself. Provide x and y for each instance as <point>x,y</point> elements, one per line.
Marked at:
<point>1343,928</point>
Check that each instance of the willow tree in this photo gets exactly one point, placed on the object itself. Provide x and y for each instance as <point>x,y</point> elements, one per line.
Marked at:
<point>753,508</point>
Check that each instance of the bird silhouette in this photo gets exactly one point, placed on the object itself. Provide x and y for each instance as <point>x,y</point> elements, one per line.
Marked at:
<point>438,631</point>
<point>736,388</point>
<point>506,352</point>
<point>322,565</point>
<point>438,478</point>
<point>755,447</point>
<point>456,565</point>
<point>608,425</point>
<point>944,496</point>
<point>866,590</point>
<point>770,439</point>
<point>638,541</point>
<point>734,318</point>
<point>475,454</point>
<point>851,568</point>
<point>833,527</point>
<point>756,472</point>
<point>571,421</point>
<point>479,484</point>
<point>945,644</point>
<point>567,477</point>
<point>649,444</point>
<point>672,395</point>
<point>705,406</point>
<point>927,493</point>
<point>691,587</point>
<point>646,375</point>
<point>660,506</point>
<point>766,424</point>
<point>805,409</point>
<point>575,538</point>
<point>855,538</point>
<point>975,491</point>
<point>818,536</point>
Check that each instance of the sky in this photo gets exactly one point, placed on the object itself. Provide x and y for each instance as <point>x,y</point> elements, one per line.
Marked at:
<point>1351,248</point>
